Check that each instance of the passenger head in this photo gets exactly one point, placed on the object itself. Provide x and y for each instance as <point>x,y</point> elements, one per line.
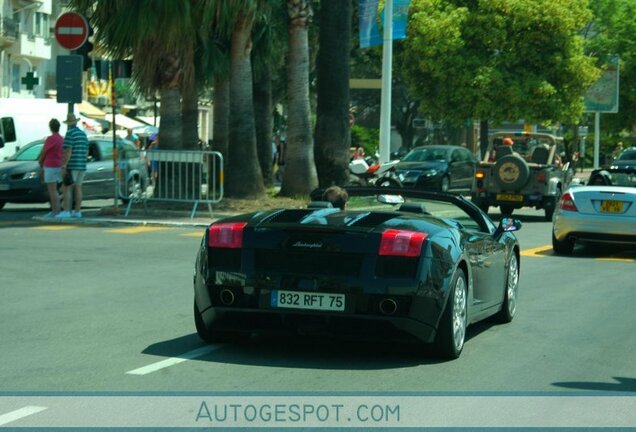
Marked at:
<point>54,125</point>
<point>336,196</point>
<point>508,142</point>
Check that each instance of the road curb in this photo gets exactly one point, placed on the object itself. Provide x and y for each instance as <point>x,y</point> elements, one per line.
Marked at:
<point>135,222</point>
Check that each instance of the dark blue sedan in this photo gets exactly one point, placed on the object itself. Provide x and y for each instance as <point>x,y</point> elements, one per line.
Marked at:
<point>437,167</point>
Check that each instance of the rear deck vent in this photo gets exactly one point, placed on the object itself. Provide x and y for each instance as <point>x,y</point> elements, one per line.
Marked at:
<point>372,220</point>
<point>308,263</point>
<point>290,216</point>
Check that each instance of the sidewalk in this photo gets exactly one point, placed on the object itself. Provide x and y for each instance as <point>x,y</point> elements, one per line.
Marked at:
<point>155,214</point>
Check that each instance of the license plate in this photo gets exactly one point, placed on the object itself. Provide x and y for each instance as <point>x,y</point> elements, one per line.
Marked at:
<point>612,206</point>
<point>509,197</point>
<point>308,300</point>
<point>4,186</point>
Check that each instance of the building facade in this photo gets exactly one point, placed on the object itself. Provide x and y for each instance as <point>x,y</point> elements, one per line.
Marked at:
<point>27,44</point>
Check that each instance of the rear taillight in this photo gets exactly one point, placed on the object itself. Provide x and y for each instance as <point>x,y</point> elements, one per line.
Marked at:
<point>567,202</point>
<point>401,243</point>
<point>540,177</point>
<point>226,235</point>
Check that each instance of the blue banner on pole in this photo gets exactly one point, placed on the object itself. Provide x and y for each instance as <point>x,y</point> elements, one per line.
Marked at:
<point>372,16</point>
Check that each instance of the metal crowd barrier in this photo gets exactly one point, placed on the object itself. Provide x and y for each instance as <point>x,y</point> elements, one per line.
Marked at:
<point>173,176</point>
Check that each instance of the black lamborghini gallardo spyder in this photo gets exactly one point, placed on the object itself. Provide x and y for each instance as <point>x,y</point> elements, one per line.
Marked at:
<point>399,265</point>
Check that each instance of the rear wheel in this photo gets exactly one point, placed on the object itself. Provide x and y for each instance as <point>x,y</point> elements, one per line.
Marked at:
<point>562,247</point>
<point>212,336</point>
<point>551,205</point>
<point>444,185</point>
<point>356,181</point>
<point>389,182</point>
<point>509,306</point>
<point>452,327</point>
<point>506,209</point>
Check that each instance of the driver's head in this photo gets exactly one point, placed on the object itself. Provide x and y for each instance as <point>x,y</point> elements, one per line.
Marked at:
<point>508,142</point>
<point>336,196</point>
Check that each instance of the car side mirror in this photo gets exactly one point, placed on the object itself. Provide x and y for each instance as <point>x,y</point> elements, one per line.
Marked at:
<point>507,225</point>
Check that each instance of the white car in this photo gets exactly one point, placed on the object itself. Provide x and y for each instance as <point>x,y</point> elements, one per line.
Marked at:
<point>602,211</point>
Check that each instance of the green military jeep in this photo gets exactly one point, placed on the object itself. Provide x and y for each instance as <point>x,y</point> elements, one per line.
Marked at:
<point>530,173</point>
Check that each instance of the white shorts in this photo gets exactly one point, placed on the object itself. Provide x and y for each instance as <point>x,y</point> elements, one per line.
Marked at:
<point>78,177</point>
<point>52,175</point>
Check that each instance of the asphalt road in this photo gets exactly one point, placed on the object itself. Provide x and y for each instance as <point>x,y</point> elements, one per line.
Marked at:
<point>93,308</point>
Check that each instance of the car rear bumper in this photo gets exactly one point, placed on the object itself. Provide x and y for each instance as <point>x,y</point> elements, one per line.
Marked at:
<point>360,327</point>
<point>530,200</point>
<point>601,228</point>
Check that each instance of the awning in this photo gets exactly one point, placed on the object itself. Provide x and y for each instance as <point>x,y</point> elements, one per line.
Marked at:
<point>126,122</point>
<point>89,110</point>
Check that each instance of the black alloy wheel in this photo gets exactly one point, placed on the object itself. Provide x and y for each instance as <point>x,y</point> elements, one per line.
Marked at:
<point>511,289</point>
<point>451,332</point>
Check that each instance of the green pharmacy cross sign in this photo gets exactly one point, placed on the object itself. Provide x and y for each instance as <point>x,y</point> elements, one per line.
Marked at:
<point>30,80</point>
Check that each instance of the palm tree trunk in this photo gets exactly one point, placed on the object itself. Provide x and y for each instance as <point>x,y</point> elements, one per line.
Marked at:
<point>333,136</point>
<point>170,123</point>
<point>244,178</point>
<point>264,124</point>
<point>221,128</point>
<point>190,118</point>
<point>483,138</point>
<point>300,176</point>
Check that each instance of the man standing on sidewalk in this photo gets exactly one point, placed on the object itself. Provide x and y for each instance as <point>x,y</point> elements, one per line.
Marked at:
<point>75,155</point>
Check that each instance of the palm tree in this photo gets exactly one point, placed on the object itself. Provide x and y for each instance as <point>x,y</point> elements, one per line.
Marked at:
<point>300,176</point>
<point>159,35</point>
<point>269,43</point>
<point>333,135</point>
<point>244,178</point>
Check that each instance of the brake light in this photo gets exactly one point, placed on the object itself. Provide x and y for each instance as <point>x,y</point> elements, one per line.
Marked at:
<point>226,235</point>
<point>480,175</point>
<point>401,243</point>
<point>567,202</point>
<point>540,177</point>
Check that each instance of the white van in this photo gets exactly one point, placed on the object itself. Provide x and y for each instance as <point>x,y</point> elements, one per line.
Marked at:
<point>23,120</point>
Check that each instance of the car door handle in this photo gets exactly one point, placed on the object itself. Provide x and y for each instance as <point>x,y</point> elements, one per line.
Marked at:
<point>100,169</point>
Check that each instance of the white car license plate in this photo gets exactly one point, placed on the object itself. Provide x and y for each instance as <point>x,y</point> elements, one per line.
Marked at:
<point>308,300</point>
<point>4,186</point>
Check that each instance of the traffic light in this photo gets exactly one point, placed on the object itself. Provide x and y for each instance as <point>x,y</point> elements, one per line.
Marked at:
<point>85,50</point>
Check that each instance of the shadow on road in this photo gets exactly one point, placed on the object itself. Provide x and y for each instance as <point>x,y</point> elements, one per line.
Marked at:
<point>622,384</point>
<point>308,352</point>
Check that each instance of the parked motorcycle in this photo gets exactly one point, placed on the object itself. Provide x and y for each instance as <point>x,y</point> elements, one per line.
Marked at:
<point>383,175</point>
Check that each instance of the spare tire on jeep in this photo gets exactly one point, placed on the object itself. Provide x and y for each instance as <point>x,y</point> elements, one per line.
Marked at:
<point>511,172</point>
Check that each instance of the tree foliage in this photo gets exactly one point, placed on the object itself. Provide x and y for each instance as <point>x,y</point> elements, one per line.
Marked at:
<point>613,31</point>
<point>499,59</point>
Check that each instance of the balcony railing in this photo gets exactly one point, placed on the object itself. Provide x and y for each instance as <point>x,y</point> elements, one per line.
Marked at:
<point>8,28</point>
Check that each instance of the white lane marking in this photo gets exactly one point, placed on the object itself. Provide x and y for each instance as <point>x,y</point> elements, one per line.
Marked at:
<point>20,413</point>
<point>175,360</point>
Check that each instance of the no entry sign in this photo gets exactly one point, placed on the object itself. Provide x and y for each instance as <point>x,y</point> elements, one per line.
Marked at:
<point>71,30</point>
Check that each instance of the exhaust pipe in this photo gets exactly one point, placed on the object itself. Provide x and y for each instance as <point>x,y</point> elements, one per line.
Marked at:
<point>227,297</point>
<point>388,306</point>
